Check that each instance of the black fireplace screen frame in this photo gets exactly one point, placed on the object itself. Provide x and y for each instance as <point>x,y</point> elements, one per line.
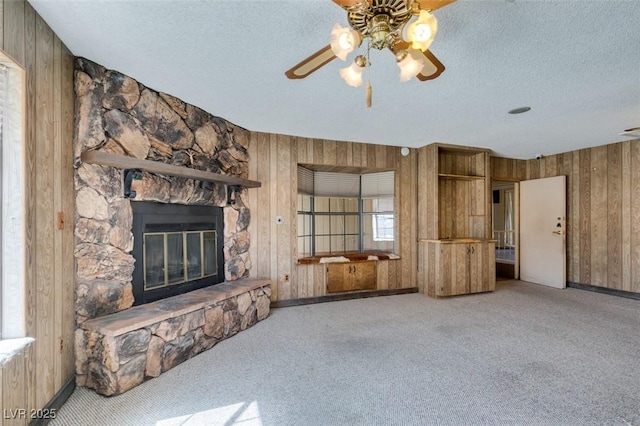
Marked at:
<point>150,216</point>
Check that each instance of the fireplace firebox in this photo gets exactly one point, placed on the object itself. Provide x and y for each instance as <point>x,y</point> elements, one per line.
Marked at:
<point>178,248</point>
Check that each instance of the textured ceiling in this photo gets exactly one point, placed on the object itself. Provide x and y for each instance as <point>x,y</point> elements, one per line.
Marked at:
<point>575,63</point>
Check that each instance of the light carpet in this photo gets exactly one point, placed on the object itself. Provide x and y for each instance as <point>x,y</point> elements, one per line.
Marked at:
<point>524,354</point>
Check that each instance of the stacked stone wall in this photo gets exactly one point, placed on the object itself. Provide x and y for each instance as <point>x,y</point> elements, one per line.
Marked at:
<point>118,115</point>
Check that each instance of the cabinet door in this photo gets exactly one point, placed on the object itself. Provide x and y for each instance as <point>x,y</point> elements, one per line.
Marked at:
<point>453,269</point>
<point>482,272</point>
<point>351,276</point>
<point>363,276</point>
<point>338,279</point>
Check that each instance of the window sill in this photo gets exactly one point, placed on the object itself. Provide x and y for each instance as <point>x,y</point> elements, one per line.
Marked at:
<point>12,347</point>
<point>348,257</point>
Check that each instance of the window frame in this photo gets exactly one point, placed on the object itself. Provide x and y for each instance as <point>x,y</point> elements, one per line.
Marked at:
<point>13,201</point>
<point>361,214</point>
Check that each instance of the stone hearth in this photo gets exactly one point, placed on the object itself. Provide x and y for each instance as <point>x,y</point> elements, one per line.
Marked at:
<point>118,115</point>
<point>120,351</point>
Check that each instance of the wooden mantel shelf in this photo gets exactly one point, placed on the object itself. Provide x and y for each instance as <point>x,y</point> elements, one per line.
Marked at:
<point>125,162</point>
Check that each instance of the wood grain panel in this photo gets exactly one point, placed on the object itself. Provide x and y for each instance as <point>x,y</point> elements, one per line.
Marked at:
<point>383,275</point>
<point>412,262</point>
<point>14,384</point>
<point>614,216</point>
<point>599,229</point>
<point>404,218</point>
<point>30,196</point>
<point>635,217</point>
<point>68,209</point>
<point>341,154</point>
<point>273,212</point>
<point>252,199</point>
<point>14,29</point>
<point>44,245</point>
<point>318,151</point>
<point>381,156</point>
<point>371,156</point>
<point>574,225</point>
<point>58,148</point>
<point>330,152</point>
<point>565,164</point>
<point>626,214</point>
<point>263,212</point>
<point>585,216</point>
<point>292,216</point>
<point>356,148</point>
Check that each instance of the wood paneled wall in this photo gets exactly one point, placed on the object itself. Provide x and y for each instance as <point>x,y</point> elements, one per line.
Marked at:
<point>274,160</point>
<point>31,379</point>
<point>603,210</point>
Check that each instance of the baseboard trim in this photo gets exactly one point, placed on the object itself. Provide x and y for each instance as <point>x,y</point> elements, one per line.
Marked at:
<point>342,296</point>
<point>603,290</point>
<point>56,402</point>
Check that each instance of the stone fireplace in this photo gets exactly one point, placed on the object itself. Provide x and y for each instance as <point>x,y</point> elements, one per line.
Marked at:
<point>178,248</point>
<point>119,345</point>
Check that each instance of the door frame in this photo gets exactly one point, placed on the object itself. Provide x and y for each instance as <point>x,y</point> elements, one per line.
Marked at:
<point>516,220</point>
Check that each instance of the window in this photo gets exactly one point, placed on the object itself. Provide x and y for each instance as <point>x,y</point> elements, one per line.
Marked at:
<point>345,212</point>
<point>12,259</point>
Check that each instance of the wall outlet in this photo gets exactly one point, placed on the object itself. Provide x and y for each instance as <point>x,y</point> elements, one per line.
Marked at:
<point>286,278</point>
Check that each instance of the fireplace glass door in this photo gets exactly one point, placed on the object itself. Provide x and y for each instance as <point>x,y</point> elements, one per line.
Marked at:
<point>176,257</point>
<point>177,248</point>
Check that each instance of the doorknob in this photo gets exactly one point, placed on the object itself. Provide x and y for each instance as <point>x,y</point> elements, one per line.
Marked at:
<point>559,232</point>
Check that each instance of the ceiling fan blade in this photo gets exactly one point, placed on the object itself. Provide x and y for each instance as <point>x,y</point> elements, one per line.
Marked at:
<point>346,4</point>
<point>312,63</point>
<point>432,69</point>
<point>432,4</point>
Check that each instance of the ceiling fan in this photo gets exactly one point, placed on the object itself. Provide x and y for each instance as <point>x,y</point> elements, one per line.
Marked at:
<point>405,27</point>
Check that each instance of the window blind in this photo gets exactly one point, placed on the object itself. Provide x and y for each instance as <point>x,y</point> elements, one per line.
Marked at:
<point>378,185</point>
<point>305,181</point>
<point>327,184</point>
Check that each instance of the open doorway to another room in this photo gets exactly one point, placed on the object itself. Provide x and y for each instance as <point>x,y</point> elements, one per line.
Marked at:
<point>504,218</point>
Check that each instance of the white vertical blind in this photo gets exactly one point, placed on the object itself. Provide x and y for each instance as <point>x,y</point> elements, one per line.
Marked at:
<point>378,185</point>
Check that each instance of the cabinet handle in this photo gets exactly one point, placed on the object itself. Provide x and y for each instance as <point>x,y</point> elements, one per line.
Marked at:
<point>349,268</point>
<point>473,249</point>
<point>354,269</point>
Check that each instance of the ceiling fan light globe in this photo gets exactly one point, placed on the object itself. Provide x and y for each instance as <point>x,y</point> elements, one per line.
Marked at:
<point>343,41</point>
<point>410,64</point>
<point>421,32</point>
<point>352,75</point>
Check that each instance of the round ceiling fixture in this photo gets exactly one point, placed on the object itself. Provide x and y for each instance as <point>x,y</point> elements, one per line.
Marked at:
<point>519,110</point>
<point>405,151</point>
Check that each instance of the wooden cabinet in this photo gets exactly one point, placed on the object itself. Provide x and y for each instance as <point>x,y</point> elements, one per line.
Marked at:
<point>455,252</point>
<point>458,267</point>
<point>454,196</point>
<point>351,276</point>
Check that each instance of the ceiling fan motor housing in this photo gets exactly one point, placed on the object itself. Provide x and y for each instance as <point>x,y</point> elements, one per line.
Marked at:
<point>381,20</point>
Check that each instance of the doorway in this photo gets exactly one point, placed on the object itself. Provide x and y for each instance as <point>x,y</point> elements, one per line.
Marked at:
<point>504,220</point>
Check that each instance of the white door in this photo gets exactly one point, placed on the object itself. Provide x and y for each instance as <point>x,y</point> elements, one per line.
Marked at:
<point>542,231</point>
